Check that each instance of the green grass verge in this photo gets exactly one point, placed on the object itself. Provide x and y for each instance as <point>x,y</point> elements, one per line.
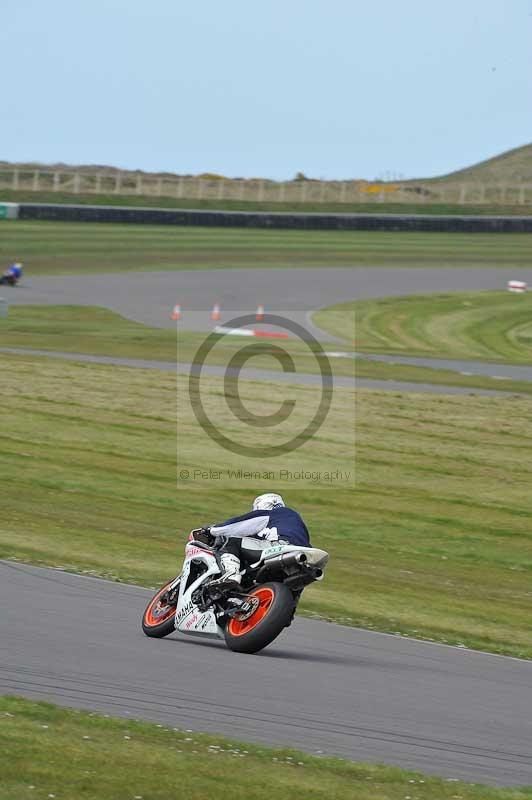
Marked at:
<point>484,326</point>
<point>375,207</point>
<point>433,541</point>
<point>67,247</point>
<point>97,331</point>
<point>52,752</point>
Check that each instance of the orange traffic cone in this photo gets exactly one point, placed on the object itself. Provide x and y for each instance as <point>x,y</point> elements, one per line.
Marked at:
<point>216,312</point>
<point>259,316</point>
<point>176,313</point>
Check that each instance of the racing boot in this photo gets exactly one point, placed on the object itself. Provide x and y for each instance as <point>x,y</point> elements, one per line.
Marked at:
<point>231,571</point>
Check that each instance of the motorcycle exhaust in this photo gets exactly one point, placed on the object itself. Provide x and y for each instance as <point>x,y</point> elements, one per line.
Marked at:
<point>285,560</point>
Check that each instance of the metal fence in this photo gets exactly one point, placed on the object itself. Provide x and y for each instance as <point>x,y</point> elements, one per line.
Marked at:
<point>121,183</point>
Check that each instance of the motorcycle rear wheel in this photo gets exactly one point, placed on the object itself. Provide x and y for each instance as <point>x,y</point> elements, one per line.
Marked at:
<point>274,612</point>
<point>158,617</point>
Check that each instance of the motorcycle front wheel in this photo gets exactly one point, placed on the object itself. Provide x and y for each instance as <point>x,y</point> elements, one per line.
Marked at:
<point>274,612</point>
<point>158,617</point>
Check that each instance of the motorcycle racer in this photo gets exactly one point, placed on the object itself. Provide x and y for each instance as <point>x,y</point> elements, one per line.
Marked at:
<point>269,520</point>
<point>256,603</point>
<point>13,274</point>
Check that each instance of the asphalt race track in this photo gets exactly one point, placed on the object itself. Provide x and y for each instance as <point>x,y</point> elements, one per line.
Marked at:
<point>321,688</point>
<point>148,297</point>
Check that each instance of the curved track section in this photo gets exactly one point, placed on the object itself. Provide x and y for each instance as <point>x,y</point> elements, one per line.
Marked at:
<point>148,297</point>
<point>321,688</point>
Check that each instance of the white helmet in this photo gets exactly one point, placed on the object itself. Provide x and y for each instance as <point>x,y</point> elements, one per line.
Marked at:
<point>265,502</point>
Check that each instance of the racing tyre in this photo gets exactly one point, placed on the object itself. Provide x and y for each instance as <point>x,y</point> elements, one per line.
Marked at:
<point>273,613</point>
<point>158,618</point>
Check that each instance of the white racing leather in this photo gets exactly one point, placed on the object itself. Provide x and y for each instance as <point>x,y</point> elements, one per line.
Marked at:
<point>268,534</point>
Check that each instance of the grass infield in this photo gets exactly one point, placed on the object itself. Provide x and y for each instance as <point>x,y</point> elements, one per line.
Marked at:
<point>68,247</point>
<point>433,540</point>
<point>52,752</point>
<point>482,326</point>
<point>97,331</point>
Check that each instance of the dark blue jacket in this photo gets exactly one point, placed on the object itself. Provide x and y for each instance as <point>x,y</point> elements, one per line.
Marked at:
<point>289,524</point>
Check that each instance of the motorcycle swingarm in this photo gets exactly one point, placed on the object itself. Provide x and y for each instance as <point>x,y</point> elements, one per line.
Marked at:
<point>228,602</point>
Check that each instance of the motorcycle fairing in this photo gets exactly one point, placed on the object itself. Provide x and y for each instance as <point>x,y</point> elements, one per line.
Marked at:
<point>188,618</point>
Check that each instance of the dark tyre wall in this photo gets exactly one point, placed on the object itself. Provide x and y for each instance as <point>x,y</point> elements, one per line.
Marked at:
<point>291,221</point>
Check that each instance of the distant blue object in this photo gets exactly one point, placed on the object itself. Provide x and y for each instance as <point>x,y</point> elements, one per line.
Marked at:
<point>15,270</point>
<point>12,275</point>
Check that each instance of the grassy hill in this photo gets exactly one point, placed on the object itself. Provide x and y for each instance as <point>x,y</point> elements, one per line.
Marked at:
<point>512,166</point>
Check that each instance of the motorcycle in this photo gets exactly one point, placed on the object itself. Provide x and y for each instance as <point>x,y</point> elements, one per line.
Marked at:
<point>8,280</point>
<point>248,616</point>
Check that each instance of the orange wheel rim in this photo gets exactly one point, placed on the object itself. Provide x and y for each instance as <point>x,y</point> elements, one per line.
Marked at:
<point>239,627</point>
<point>158,612</point>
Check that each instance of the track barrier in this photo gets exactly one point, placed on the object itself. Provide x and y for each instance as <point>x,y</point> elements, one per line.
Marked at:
<point>251,332</point>
<point>9,210</point>
<point>517,286</point>
<point>276,220</point>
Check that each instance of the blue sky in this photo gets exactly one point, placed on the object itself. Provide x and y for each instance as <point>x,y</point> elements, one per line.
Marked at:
<point>334,89</point>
